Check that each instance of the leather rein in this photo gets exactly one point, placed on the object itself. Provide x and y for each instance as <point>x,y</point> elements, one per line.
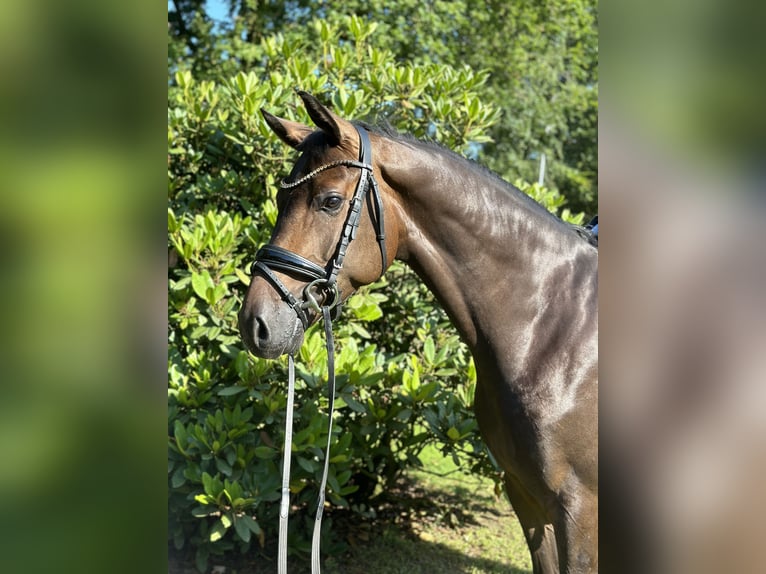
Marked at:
<point>322,295</point>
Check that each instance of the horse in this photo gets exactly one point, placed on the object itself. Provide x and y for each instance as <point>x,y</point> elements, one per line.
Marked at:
<point>519,284</point>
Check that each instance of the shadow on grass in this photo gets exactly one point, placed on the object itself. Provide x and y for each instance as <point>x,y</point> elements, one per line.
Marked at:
<point>398,553</point>
<point>393,552</point>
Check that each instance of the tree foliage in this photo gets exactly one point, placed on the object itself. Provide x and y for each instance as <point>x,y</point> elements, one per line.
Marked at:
<point>404,379</point>
<point>541,60</point>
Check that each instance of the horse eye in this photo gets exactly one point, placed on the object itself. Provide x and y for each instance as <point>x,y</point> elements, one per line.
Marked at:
<point>332,203</point>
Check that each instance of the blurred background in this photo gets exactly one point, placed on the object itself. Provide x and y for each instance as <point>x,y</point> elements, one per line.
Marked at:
<point>683,277</point>
<point>83,286</point>
<point>82,292</point>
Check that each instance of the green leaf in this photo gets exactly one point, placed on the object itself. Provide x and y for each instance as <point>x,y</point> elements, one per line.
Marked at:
<point>241,80</point>
<point>223,467</point>
<point>181,436</point>
<point>229,391</point>
<point>305,464</point>
<point>429,350</point>
<point>201,282</point>
<point>243,277</point>
<point>355,405</point>
<point>404,415</point>
<point>251,524</point>
<point>346,490</point>
<point>265,452</point>
<point>218,292</point>
<point>201,558</point>
<point>172,221</point>
<point>203,510</point>
<point>218,530</point>
<point>332,481</point>
<point>243,531</point>
<point>178,479</point>
<point>207,483</point>
<point>183,79</point>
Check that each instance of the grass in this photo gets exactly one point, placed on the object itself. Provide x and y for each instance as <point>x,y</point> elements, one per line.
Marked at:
<point>460,526</point>
<point>439,520</point>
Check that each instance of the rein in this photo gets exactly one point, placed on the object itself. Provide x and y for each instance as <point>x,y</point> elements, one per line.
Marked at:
<point>322,286</point>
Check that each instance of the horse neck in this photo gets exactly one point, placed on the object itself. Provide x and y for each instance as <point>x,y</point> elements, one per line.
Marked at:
<point>487,252</point>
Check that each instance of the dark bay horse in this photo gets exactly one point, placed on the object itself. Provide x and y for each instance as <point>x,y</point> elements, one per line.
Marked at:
<point>519,284</point>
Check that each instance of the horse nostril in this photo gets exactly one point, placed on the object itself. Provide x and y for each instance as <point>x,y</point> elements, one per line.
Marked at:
<point>261,330</point>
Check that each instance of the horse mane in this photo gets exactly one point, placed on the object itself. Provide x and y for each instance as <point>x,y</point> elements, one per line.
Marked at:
<point>384,128</point>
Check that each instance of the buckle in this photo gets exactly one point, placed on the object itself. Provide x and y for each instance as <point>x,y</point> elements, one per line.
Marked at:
<point>310,300</point>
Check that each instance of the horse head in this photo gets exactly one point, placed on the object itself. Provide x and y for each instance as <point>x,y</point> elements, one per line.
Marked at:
<point>329,239</point>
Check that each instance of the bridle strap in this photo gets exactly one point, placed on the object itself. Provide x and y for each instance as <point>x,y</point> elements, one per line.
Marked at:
<point>284,506</point>
<point>315,555</point>
<point>378,222</point>
<point>349,229</point>
<point>341,162</point>
<point>272,257</point>
<point>376,213</point>
<point>283,260</point>
<point>289,298</point>
<point>366,181</point>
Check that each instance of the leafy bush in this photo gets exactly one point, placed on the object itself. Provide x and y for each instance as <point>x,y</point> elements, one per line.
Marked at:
<point>404,378</point>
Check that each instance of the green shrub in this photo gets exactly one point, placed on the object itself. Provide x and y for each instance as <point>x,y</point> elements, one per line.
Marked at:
<point>404,378</point>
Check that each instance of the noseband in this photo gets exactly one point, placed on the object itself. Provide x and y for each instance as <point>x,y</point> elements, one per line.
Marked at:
<point>322,282</point>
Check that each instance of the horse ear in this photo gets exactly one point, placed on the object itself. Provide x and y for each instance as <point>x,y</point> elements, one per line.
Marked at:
<point>327,121</point>
<point>292,133</point>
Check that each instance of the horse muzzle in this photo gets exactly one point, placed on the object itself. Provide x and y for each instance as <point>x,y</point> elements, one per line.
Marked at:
<point>268,326</point>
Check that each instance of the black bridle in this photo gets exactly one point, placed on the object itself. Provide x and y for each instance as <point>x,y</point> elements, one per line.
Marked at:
<point>323,281</point>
